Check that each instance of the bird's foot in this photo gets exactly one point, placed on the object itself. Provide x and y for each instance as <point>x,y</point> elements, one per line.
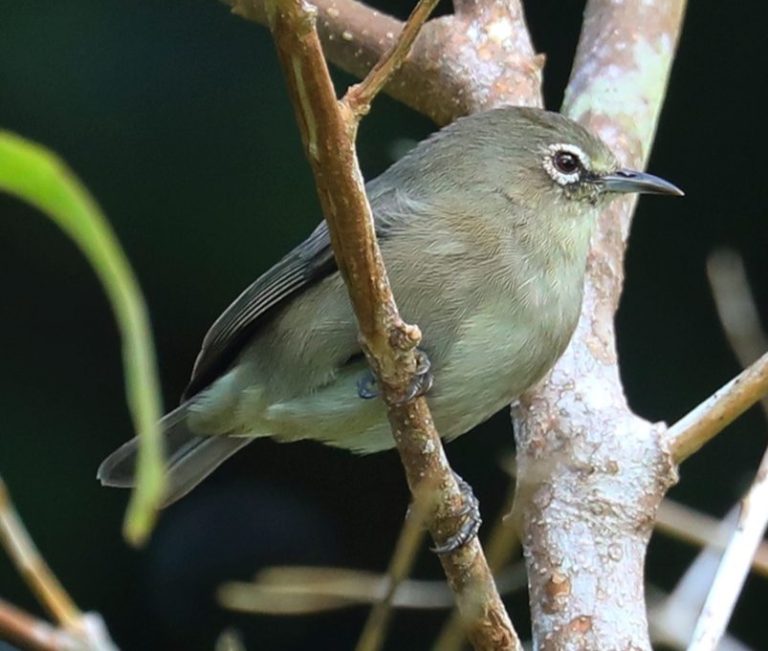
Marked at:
<point>422,378</point>
<point>469,523</point>
<point>367,386</point>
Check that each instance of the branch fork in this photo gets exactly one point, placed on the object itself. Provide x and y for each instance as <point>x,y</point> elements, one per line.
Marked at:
<point>579,446</point>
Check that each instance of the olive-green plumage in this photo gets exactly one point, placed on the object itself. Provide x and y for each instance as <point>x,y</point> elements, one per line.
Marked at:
<point>484,228</point>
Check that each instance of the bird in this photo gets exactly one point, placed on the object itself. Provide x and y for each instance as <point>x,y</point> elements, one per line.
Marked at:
<point>484,228</point>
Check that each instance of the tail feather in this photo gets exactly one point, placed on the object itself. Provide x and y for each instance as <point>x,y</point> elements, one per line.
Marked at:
<point>190,457</point>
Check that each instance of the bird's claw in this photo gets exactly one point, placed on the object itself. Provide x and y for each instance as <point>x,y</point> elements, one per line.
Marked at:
<point>469,524</point>
<point>422,378</point>
<point>367,386</point>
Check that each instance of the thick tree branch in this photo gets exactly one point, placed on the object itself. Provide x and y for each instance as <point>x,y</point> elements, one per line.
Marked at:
<point>458,65</point>
<point>590,473</point>
<point>328,135</point>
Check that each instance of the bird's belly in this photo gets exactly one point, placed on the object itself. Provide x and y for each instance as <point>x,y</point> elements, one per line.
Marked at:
<point>500,350</point>
<point>499,354</point>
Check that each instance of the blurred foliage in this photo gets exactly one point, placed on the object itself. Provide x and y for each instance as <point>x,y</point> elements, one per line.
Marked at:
<point>35,175</point>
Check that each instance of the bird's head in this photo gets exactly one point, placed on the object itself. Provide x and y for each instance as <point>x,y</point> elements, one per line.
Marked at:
<point>552,158</point>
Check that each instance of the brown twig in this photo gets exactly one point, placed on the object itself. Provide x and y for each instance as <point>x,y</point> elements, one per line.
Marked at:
<point>503,542</point>
<point>458,65</point>
<point>31,633</point>
<point>718,411</point>
<point>359,97</point>
<point>292,590</point>
<point>32,566</point>
<point>400,565</point>
<point>327,133</point>
<point>77,630</point>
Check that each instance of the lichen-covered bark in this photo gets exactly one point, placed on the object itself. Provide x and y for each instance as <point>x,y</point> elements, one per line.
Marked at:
<point>590,473</point>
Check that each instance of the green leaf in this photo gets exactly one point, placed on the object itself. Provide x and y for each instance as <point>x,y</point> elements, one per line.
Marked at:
<point>40,178</point>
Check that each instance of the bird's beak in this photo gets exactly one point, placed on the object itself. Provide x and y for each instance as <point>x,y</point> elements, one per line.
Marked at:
<point>624,180</point>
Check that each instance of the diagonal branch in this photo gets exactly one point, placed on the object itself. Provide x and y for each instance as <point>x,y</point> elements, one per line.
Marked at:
<point>359,97</point>
<point>718,411</point>
<point>458,64</point>
<point>328,136</point>
<point>738,314</point>
<point>400,565</point>
<point>684,523</point>
<point>32,634</point>
<point>735,563</point>
<point>85,631</point>
<point>32,566</point>
<point>590,473</point>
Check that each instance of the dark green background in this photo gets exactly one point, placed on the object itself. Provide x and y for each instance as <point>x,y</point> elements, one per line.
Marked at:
<point>175,116</point>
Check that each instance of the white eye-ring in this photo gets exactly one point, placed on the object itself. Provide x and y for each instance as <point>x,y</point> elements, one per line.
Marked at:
<point>565,163</point>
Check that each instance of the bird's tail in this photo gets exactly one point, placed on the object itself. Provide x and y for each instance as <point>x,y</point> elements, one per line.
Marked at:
<point>190,457</point>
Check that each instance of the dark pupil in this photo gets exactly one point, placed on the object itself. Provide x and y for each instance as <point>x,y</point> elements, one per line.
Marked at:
<point>566,162</point>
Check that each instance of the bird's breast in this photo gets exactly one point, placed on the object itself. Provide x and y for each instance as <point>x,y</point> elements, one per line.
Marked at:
<point>507,345</point>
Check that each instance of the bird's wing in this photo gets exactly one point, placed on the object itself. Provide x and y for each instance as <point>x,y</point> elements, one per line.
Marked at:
<point>309,262</point>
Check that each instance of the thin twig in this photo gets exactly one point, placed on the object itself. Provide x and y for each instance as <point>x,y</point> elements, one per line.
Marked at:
<point>29,632</point>
<point>359,97</point>
<point>736,307</point>
<point>32,566</point>
<point>77,630</point>
<point>684,523</point>
<point>734,565</point>
<point>718,411</point>
<point>738,313</point>
<point>671,624</point>
<point>311,590</point>
<point>400,566</point>
<point>302,590</point>
<point>387,341</point>
<point>445,75</point>
<point>673,617</point>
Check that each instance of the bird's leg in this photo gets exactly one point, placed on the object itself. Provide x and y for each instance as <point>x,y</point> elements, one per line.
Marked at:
<point>469,523</point>
<point>422,381</point>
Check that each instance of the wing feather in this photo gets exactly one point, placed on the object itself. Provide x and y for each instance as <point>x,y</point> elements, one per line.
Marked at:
<point>309,262</point>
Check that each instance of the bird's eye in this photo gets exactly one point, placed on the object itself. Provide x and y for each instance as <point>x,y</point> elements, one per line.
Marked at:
<point>566,162</point>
